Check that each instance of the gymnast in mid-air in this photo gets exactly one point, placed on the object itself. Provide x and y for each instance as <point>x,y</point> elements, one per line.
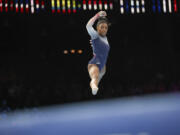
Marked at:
<point>100,47</point>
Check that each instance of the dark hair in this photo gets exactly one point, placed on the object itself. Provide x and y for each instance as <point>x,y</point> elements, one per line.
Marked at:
<point>103,20</point>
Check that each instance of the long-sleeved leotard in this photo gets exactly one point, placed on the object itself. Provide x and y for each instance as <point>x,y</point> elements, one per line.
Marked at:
<point>100,45</point>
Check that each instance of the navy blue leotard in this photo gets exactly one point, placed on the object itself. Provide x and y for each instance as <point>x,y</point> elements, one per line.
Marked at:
<point>100,47</point>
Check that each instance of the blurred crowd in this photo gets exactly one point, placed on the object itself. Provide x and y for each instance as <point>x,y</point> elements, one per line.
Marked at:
<point>20,95</point>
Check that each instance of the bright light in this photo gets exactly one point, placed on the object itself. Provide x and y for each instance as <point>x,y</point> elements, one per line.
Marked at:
<point>132,6</point>
<point>74,6</point>
<point>80,51</point>
<point>90,4</point>
<point>137,6</point>
<point>69,6</point>
<point>58,6</point>
<point>105,5</point>
<point>65,52</point>
<point>53,6</point>
<point>17,6</point>
<point>143,6</point>
<point>170,6</point>
<point>111,5</point>
<point>72,51</point>
<point>95,5</point>
<point>122,6</point>
<point>100,5</point>
<point>1,9</point>
<point>32,6</point>
<point>122,10</point>
<point>22,7</point>
<point>37,5</point>
<point>164,6</point>
<point>52,3</point>
<point>84,5</point>
<point>63,6</point>
<point>6,5</point>
<point>27,6</point>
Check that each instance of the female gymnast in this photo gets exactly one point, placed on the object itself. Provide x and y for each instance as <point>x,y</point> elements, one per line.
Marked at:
<point>100,47</point>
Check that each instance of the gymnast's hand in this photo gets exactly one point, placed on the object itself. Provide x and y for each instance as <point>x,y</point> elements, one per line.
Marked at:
<point>102,14</point>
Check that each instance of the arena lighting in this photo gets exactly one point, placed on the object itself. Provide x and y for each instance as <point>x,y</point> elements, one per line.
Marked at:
<point>84,5</point>
<point>90,4</point>
<point>159,6</point>
<point>53,6</point>
<point>121,6</point>
<point>17,6</point>
<point>21,6</point>
<point>63,6</point>
<point>58,6</point>
<point>100,4</point>
<point>11,5</point>
<point>164,6</point>
<point>111,4</point>
<point>137,6</point>
<point>6,5</point>
<point>175,5</point>
<point>80,51</point>
<point>127,6</point>
<point>42,4</point>
<point>143,6</point>
<point>78,5</point>
<point>72,51</point>
<point>74,6</point>
<point>105,5</point>
<point>65,51</point>
<point>170,6</point>
<point>69,6</point>
<point>95,4</point>
<point>154,5</point>
<point>132,6</point>
<point>32,6</point>
<point>1,6</point>
<point>27,6</point>
<point>37,5</point>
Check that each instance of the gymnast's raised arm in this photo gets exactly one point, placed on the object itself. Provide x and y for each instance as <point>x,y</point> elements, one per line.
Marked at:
<point>89,26</point>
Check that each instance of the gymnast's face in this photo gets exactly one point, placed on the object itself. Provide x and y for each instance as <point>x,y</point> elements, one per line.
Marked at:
<point>102,29</point>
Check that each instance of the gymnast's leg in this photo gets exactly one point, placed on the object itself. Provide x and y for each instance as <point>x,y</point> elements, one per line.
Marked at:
<point>94,75</point>
<point>101,74</point>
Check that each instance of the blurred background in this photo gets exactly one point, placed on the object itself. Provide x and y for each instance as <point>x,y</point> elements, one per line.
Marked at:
<point>45,49</point>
